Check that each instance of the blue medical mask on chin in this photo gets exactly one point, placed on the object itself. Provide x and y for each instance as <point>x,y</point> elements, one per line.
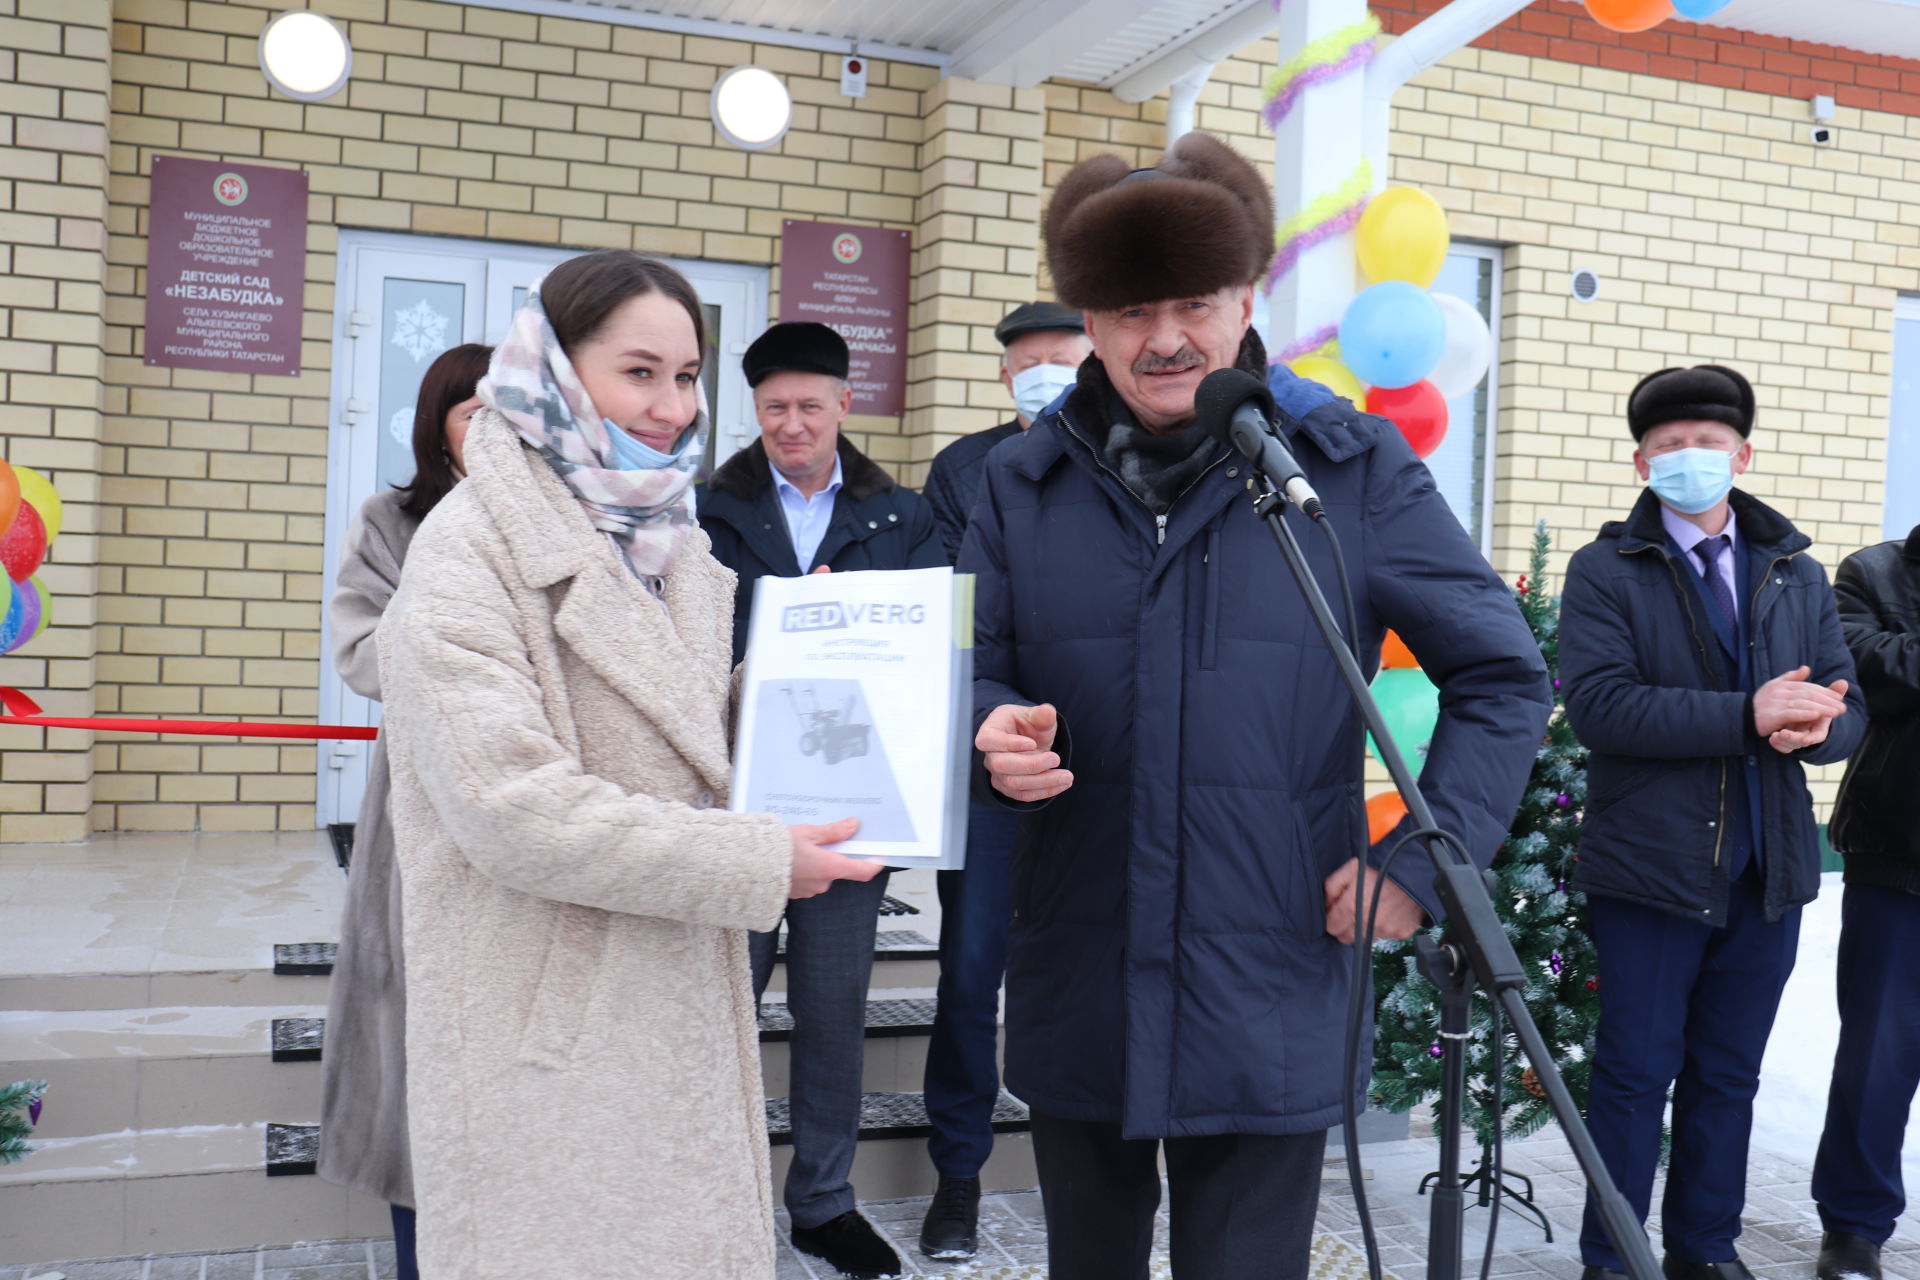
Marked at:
<point>1036,387</point>
<point>630,454</point>
<point>1691,480</point>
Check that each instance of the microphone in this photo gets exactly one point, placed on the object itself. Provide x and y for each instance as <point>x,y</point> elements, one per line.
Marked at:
<point>1236,407</point>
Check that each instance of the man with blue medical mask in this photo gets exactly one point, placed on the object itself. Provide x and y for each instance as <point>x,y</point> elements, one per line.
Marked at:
<point>802,499</point>
<point>1042,345</point>
<point>1704,668</point>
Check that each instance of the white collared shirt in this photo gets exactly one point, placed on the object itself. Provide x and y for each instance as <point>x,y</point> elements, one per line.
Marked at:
<point>807,518</point>
<point>1690,535</point>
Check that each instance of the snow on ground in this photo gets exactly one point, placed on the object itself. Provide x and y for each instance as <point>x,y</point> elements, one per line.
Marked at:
<point>1792,1106</point>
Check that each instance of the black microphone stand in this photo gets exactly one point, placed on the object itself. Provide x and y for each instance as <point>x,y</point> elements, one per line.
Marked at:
<point>1473,950</point>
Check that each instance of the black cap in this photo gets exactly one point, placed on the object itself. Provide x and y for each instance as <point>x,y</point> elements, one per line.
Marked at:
<point>799,346</point>
<point>1704,393</point>
<point>1037,317</point>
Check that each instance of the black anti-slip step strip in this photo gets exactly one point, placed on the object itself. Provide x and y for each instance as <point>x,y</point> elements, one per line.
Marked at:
<point>304,959</point>
<point>315,959</point>
<point>292,1149</point>
<point>297,1039</point>
<point>895,1115</point>
<point>892,906</point>
<point>884,1018</point>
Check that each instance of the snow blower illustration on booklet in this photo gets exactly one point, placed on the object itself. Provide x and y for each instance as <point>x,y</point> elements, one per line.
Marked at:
<point>857,703</point>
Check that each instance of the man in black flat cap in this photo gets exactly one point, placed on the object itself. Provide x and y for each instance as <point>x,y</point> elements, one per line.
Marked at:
<point>1043,345</point>
<point>802,499</point>
<point>1704,667</point>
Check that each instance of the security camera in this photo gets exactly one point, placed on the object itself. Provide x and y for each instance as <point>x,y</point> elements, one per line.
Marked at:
<point>1822,135</point>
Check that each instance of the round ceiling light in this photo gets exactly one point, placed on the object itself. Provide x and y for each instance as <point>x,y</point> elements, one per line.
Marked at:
<point>305,55</point>
<point>751,108</point>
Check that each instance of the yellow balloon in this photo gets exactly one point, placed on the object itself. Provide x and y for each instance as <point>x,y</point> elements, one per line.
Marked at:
<point>1332,375</point>
<point>38,490</point>
<point>1402,236</point>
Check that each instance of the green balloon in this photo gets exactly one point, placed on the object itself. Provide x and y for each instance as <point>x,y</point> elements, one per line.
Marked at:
<point>1410,704</point>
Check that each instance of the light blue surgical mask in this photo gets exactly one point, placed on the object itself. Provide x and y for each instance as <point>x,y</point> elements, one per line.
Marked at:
<point>1036,387</point>
<point>1691,480</point>
<point>630,454</point>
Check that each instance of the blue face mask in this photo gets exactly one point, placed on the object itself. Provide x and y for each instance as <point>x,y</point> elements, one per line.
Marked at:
<point>630,454</point>
<point>1034,388</point>
<point>1691,480</point>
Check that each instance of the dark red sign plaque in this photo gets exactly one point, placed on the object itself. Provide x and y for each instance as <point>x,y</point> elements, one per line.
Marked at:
<point>226,266</point>
<point>853,280</point>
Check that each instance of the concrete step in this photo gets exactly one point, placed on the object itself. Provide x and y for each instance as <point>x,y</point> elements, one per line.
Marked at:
<point>902,958</point>
<point>192,1188</point>
<point>114,1070</point>
<point>895,1059</point>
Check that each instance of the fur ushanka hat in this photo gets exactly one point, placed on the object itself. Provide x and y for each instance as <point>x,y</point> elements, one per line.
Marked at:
<point>1704,393</point>
<point>1199,221</point>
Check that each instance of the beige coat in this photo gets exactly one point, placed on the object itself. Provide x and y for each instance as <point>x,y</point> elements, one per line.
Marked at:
<point>584,1076</point>
<point>363,1095</point>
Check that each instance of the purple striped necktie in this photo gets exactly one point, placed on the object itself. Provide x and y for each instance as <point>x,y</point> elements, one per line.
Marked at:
<point>1710,550</point>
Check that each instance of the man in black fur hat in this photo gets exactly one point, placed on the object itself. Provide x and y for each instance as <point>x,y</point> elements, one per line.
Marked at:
<point>1153,700</point>
<point>1704,667</point>
<point>802,499</point>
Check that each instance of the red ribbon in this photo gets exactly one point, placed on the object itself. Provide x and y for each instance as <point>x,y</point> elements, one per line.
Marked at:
<point>22,710</point>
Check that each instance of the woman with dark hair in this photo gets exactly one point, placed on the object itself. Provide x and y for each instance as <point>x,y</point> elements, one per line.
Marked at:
<point>363,1108</point>
<point>557,667</point>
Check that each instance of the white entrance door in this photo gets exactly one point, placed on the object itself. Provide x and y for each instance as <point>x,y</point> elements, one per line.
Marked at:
<point>402,300</point>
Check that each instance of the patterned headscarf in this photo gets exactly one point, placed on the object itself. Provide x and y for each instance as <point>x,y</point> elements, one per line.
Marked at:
<point>532,384</point>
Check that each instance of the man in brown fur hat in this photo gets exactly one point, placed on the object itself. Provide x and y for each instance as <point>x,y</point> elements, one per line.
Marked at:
<point>1152,697</point>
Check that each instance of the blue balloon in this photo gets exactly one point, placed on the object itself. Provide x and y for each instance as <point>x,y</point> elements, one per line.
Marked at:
<point>1393,334</point>
<point>16,616</point>
<point>1697,9</point>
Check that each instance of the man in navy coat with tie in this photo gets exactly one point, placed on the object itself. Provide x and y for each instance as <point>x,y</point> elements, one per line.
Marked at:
<point>1704,667</point>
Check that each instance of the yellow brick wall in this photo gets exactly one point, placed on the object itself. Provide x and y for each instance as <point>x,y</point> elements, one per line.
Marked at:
<point>53,142</point>
<point>1720,237</point>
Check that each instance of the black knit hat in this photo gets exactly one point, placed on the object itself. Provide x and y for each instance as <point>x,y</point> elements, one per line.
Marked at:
<point>1038,317</point>
<point>1704,393</point>
<point>800,346</point>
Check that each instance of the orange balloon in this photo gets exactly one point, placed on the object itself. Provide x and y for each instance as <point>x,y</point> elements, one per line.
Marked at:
<point>1395,655</point>
<point>1630,15</point>
<point>9,495</point>
<point>1384,812</point>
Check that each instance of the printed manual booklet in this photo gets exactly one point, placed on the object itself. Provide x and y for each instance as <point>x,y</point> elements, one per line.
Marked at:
<point>858,703</point>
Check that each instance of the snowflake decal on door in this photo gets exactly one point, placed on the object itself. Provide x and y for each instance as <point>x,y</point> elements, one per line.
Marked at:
<point>420,331</point>
<point>400,427</point>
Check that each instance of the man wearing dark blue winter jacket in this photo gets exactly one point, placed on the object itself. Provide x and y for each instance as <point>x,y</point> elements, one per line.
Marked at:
<point>1703,667</point>
<point>1151,690</point>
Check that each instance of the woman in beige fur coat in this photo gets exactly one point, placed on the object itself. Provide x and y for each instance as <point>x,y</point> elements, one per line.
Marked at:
<point>584,1068</point>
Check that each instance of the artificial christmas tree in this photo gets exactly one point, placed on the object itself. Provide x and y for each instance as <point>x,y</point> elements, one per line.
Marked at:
<point>19,1112</point>
<point>1545,920</point>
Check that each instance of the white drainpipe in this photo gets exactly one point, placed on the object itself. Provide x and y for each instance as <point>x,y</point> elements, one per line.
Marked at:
<point>1182,96</point>
<point>1454,27</point>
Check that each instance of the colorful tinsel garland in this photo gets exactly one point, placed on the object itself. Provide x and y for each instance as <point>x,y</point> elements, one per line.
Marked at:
<point>1328,58</point>
<point>1327,216</point>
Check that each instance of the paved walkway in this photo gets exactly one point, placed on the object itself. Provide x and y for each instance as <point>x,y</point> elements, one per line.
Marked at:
<point>1781,1239</point>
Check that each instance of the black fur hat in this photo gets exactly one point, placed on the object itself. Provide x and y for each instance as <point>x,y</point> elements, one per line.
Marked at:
<point>1704,393</point>
<point>799,345</point>
<point>1199,221</point>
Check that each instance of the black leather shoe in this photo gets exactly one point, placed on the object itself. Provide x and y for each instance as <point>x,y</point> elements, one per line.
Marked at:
<point>850,1244</point>
<point>1602,1273</point>
<point>1681,1269</point>
<point>952,1227</point>
<point>1845,1256</point>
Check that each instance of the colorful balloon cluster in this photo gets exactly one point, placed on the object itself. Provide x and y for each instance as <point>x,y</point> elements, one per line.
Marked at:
<point>1643,15</point>
<point>1404,352</point>
<point>1409,702</point>
<point>30,518</point>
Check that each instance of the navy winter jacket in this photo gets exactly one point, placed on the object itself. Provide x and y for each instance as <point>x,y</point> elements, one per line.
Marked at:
<point>953,482</point>
<point>1169,968</point>
<point>876,524</point>
<point>1665,734</point>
